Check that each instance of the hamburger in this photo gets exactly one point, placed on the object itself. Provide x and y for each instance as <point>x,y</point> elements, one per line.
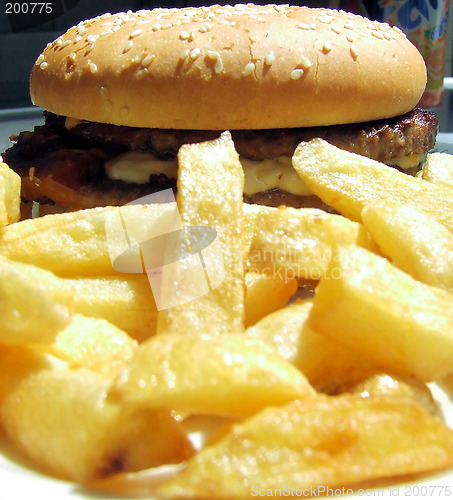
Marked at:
<point>122,92</point>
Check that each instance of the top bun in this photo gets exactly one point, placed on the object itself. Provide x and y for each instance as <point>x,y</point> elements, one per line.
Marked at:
<point>229,67</point>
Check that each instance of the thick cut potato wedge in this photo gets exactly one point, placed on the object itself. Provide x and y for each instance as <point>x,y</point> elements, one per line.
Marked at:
<point>326,363</point>
<point>389,385</point>
<point>227,375</point>
<point>124,300</point>
<point>9,195</point>
<point>95,344</point>
<point>266,292</point>
<point>299,241</point>
<point>438,169</point>
<point>75,243</point>
<point>34,304</point>
<point>60,417</point>
<point>204,293</point>
<point>400,324</point>
<point>413,241</point>
<point>347,182</point>
<point>327,442</point>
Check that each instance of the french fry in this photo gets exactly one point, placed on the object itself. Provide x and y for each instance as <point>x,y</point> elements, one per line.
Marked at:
<point>124,300</point>
<point>94,344</point>
<point>59,416</point>
<point>400,324</point>
<point>348,182</point>
<point>75,243</point>
<point>438,169</point>
<point>389,385</point>
<point>300,241</point>
<point>196,305</point>
<point>226,376</point>
<point>9,195</point>
<point>325,362</point>
<point>413,241</point>
<point>34,304</point>
<point>328,442</point>
<point>266,293</point>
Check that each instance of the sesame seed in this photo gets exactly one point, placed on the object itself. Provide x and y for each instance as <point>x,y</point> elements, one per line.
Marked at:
<point>296,74</point>
<point>269,59</point>
<point>325,19</point>
<point>248,69</point>
<point>40,59</point>
<point>66,43</point>
<point>116,28</point>
<point>156,27</point>
<point>72,56</point>
<point>104,91</point>
<point>128,46</point>
<point>59,42</point>
<point>135,33</point>
<point>148,60</point>
<point>303,26</point>
<point>327,47</point>
<point>184,35</point>
<point>218,67</point>
<point>377,35</point>
<point>138,59</point>
<point>82,30</point>
<point>194,53</point>
<point>213,55</point>
<point>141,73</point>
<point>92,38</point>
<point>354,53</point>
<point>349,25</point>
<point>335,29</point>
<point>305,63</point>
<point>44,65</point>
<point>185,54</point>
<point>350,38</point>
<point>93,67</point>
<point>77,38</point>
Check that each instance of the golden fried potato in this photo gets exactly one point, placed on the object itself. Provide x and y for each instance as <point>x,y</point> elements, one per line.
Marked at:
<point>324,362</point>
<point>390,385</point>
<point>324,443</point>
<point>347,182</point>
<point>400,324</point>
<point>34,304</point>
<point>300,241</point>
<point>75,243</point>
<point>95,344</point>
<point>9,195</point>
<point>413,241</point>
<point>228,375</point>
<point>266,292</point>
<point>124,300</point>
<point>438,169</point>
<point>60,417</point>
<point>204,293</point>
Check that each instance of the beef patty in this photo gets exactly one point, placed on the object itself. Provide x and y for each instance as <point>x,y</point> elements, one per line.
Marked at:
<point>65,166</point>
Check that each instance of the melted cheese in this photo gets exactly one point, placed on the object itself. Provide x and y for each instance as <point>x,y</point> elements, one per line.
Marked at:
<point>259,176</point>
<point>408,162</point>
<point>138,167</point>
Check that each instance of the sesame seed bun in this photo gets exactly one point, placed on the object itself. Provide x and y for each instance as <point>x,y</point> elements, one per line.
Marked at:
<point>232,67</point>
